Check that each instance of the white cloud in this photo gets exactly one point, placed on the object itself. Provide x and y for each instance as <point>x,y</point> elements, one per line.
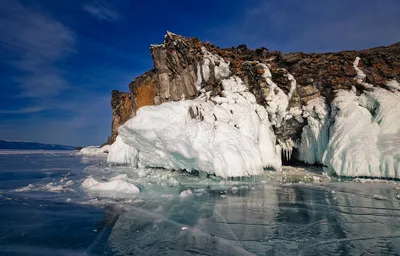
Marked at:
<point>35,43</point>
<point>104,10</point>
<point>28,110</point>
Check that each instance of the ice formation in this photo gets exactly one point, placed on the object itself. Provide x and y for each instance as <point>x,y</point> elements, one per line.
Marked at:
<point>116,184</point>
<point>360,77</point>
<point>315,135</point>
<point>95,151</point>
<point>221,68</point>
<point>228,136</point>
<point>121,153</point>
<point>277,100</point>
<point>365,137</point>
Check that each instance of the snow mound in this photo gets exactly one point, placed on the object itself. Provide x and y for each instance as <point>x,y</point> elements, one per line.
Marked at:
<point>365,137</point>
<point>228,136</point>
<point>95,151</point>
<point>115,185</point>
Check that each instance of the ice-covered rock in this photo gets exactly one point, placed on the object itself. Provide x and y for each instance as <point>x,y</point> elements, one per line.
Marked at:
<point>315,135</point>
<point>227,136</point>
<point>365,136</point>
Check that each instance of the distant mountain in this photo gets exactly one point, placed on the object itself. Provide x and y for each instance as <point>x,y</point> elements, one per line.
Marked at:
<point>5,144</point>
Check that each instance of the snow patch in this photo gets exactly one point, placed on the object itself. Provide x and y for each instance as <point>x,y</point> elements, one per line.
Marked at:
<point>393,85</point>
<point>360,77</point>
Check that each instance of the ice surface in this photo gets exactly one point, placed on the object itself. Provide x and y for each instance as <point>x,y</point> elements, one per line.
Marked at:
<point>365,137</point>
<point>231,217</point>
<point>227,136</point>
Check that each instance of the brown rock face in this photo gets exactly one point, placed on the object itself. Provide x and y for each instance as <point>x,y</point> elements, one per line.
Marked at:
<point>123,107</point>
<point>177,74</point>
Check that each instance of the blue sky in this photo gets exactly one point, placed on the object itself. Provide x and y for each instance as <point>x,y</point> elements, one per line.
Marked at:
<point>59,60</point>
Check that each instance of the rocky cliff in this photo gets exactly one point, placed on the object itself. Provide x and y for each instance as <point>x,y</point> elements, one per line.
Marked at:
<point>284,83</point>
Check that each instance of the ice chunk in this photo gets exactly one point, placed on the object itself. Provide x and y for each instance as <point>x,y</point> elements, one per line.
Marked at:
<point>186,193</point>
<point>116,184</point>
<point>69,183</point>
<point>95,151</point>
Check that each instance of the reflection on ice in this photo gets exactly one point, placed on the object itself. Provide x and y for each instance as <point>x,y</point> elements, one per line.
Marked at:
<point>266,220</point>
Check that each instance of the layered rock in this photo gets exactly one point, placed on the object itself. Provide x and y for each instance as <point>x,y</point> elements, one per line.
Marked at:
<point>296,89</point>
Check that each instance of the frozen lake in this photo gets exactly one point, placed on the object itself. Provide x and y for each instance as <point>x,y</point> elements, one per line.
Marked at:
<point>45,211</point>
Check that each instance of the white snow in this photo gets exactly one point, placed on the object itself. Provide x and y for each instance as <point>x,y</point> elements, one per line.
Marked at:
<point>393,85</point>
<point>365,138</point>
<point>315,134</point>
<point>293,84</point>
<point>277,100</point>
<point>116,184</point>
<point>228,136</point>
<point>199,78</point>
<point>95,151</point>
<point>360,77</point>
<point>221,68</point>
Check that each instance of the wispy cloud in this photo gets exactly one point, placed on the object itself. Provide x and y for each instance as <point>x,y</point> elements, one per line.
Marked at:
<point>28,110</point>
<point>104,10</point>
<point>35,43</point>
